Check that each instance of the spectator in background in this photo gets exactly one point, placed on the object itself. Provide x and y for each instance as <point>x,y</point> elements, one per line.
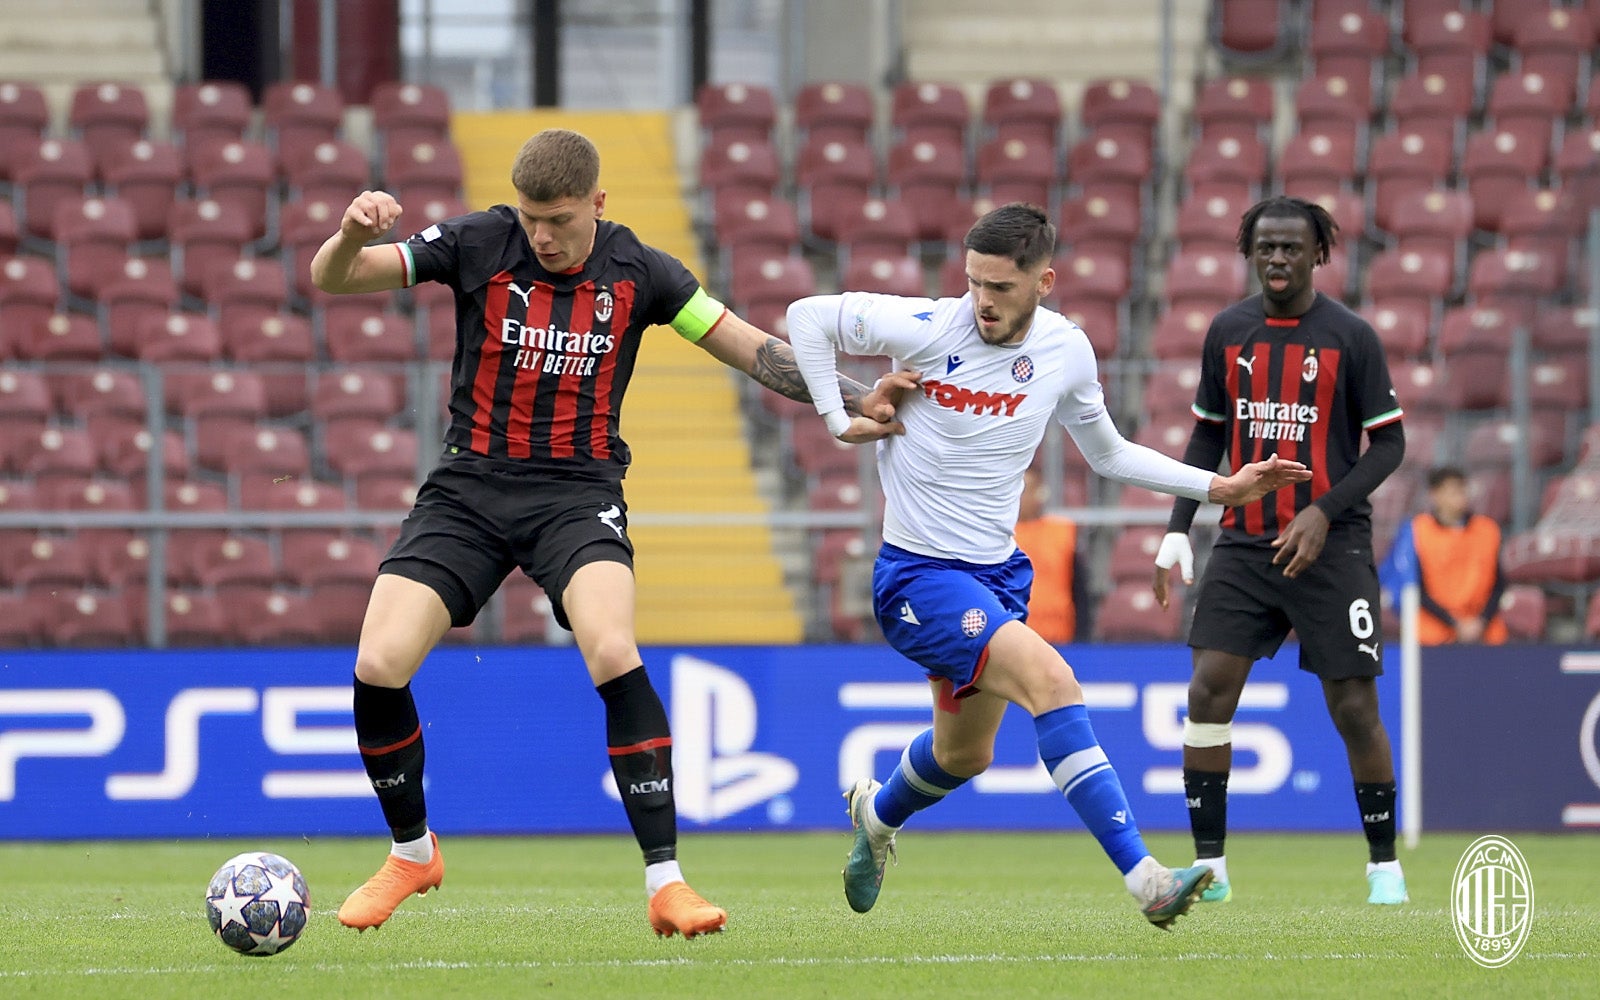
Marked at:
<point>1456,555</point>
<point>1050,542</point>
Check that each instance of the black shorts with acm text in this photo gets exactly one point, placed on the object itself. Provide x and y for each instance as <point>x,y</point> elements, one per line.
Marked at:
<point>1248,607</point>
<point>478,518</point>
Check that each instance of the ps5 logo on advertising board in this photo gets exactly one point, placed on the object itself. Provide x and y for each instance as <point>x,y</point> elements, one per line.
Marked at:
<point>107,723</point>
<point>715,773</point>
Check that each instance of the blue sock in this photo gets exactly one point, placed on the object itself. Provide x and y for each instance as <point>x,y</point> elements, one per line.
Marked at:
<point>1086,778</point>
<point>917,783</point>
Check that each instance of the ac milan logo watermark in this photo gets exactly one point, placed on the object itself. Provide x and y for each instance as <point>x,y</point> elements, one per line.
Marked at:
<point>973,622</point>
<point>602,305</point>
<point>1022,368</point>
<point>1308,369</point>
<point>1491,901</point>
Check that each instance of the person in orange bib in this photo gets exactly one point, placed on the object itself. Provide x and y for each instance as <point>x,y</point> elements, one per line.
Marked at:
<point>1458,566</point>
<point>1051,543</point>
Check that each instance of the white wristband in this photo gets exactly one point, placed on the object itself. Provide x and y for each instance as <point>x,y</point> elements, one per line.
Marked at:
<point>838,421</point>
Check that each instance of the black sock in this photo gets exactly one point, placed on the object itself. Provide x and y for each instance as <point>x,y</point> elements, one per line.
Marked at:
<point>640,745</point>
<point>1376,801</point>
<point>1206,793</point>
<point>390,738</point>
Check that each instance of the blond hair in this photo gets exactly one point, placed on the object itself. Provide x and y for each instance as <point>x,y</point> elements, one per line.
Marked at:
<point>556,163</point>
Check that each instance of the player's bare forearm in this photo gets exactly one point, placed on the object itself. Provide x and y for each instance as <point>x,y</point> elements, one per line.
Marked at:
<point>774,367</point>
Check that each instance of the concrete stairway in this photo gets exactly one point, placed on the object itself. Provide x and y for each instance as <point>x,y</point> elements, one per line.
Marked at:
<point>58,44</point>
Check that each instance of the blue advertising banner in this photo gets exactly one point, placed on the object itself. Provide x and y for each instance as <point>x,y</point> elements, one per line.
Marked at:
<point>1510,738</point>
<point>196,743</point>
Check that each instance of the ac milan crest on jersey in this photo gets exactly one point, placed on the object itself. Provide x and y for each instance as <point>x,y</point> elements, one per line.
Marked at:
<point>973,622</point>
<point>1308,368</point>
<point>1022,369</point>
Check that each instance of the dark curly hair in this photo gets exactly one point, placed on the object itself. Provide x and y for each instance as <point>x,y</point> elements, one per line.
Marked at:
<point>1323,229</point>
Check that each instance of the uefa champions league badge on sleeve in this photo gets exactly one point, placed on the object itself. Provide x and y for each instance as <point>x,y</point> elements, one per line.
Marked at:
<point>1491,901</point>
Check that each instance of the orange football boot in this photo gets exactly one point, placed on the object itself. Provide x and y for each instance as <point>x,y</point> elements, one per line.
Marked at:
<point>678,909</point>
<point>374,902</point>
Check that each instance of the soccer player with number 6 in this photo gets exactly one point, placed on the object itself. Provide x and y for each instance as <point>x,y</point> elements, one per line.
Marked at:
<point>1294,373</point>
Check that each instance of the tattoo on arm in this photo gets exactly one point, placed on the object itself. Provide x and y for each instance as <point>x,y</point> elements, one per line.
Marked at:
<point>774,367</point>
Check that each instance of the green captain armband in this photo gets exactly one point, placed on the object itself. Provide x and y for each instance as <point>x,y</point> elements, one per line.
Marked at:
<point>698,316</point>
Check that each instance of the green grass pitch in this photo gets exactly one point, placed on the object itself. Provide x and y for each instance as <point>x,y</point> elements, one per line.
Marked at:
<point>964,915</point>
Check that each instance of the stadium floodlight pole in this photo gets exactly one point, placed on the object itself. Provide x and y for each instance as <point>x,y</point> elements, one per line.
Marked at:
<point>1410,716</point>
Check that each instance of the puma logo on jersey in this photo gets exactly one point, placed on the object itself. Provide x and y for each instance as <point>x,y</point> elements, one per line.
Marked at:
<point>609,516</point>
<point>1248,364</point>
<point>522,293</point>
<point>1371,650</point>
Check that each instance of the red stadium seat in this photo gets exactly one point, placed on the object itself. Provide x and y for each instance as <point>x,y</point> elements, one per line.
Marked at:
<point>1404,332</point>
<point>241,174</point>
<point>769,278</point>
<point>288,493</point>
<point>351,392</point>
<point>178,336</point>
<point>1546,556</point>
<point>928,172</point>
<point>1169,393</point>
<point>888,275</point>
<point>86,493</point>
<point>125,451</point>
<point>1101,224</point>
<point>139,288</point>
<point>834,109</point>
<point>1349,44</point>
<point>197,393</point>
<point>1333,105</point>
<point>303,226</point>
<point>1498,165</point>
<point>300,113</point>
<point>389,491</point>
<point>61,337</point>
<point>1227,162</point>
<point>1250,27</point>
<point>1203,273</point>
<point>1547,222</point>
<point>746,164</point>
<point>754,223</point>
<point>1563,329</point>
<point>34,558</point>
<point>1015,168</point>
<point>1523,610</point>
<point>249,281</point>
<point>195,496</point>
<point>17,494</point>
<point>1578,161</point>
<point>117,558</point>
<point>57,451</point>
<point>45,174</point>
<point>1346,209</point>
<point>1234,105</point>
<point>262,336</point>
<point>1496,442</point>
<point>78,618</point>
<point>1180,333</point>
<point>423,170</point>
<point>1448,42</point>
<point>98,391</point>
<point>410,109</point>
<point>356,448</point>
<point>1024,108</point>
<point>10,236</point>
<point>210,112</point>
<point>1529,103</point>
<point>1081,275</point>
<point>146,175</point>
<point>959,215</point>
<point>1121,108</point>
<point>1511,273</point>
<point>1317,159</point>
<point>1557,43</point>
<point>1129,613</point>
<point>1405,162</point>
<point>353,338</point>
<point>875,227</point>
<point>193,618</point>
<point>24,116</point>
<point>736,111</point>
<point>259,615</point>
<point>338,611</point>
<point>220,560</point>
<point>1560,384</point>
<point>92,237</point>
<point>331,171</point>
<point>1477,382</point>
<point>1100,162</point>
<point>263,450</point>
<point>1133,554</point>
<point>28,294</point>
<point>1507,14</point>
<point>205,233</point>
<point>526,610</point>
<point>107,115</point>
<point>1170,437</point>
<point>1433,104</point>
<point>1419,386</point>
<point>827,170</point>
<point>1424,275</point>
<point>316,559</point>
<point>818,453</point>
<point>938,112</point>
<point>1100,322</point>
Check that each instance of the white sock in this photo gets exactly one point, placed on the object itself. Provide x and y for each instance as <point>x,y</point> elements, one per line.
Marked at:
<point>1392,867</point>
<point>1140,874</point>
<point>662,873</point>
<point>877,829</point>
<point>419,850</point>
<point>1218,866</point>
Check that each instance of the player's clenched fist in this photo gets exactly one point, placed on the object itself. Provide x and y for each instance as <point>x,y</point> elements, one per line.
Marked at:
<point>370,215</point>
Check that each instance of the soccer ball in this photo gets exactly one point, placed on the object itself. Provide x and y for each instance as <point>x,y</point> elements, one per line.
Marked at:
<point>258,903</point>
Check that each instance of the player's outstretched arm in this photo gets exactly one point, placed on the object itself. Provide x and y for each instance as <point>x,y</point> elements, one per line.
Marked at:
<point>346,264</point>
<point>771,363</point>
<point>1256,480</point>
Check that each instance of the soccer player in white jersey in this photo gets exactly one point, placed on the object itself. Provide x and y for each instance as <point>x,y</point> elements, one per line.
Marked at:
<point>950,587</point>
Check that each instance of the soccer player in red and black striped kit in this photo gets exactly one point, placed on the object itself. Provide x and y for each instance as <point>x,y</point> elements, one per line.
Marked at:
<point>1294,372</point>
<point>551,304</point>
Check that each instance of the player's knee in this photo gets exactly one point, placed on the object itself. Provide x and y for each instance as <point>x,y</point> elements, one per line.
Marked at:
<point>1355,720</point>
<point>963,761</point>
<point>384,666</point>
<point>611,655</point>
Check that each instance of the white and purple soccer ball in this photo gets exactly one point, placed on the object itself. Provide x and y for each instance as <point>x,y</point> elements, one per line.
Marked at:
<point>258,903</point>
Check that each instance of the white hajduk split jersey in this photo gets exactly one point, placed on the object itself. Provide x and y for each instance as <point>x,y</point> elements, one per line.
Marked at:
<point>952,482</point>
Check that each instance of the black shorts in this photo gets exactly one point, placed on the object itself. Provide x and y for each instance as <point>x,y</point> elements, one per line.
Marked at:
<point>476,519</point>
<point>1247,607</point>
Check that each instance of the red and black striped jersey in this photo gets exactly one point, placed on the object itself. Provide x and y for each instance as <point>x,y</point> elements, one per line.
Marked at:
<point>542,360</point>
<point>1305,388</point>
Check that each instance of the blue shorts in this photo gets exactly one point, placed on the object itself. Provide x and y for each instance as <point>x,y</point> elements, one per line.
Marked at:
<point>940,613</point>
